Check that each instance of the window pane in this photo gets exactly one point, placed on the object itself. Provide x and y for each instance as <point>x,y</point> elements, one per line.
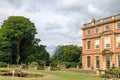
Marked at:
<point>118,25</point>
<point>106,27</point>
<point>97,62</point>
<point>118,41</point>
<point>107,61</point>
<point>107,45</point>
<point>97,43</point>
<point>107,41</point>
<point>88,44</point>
<point>118,44</point>
<point>88,61</point>
<point>118,61</point>
<point>96,30</point>
<point>88,31</point>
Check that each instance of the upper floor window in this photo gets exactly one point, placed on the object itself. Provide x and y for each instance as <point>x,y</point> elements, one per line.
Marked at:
<point>107,42</point>
<point>118,25</point>
<point>107,27</point>
<point>97,30</point>
<point>88,44</point>
<point>88,32</point>
<point>97,44</point>
<point>118,41</point>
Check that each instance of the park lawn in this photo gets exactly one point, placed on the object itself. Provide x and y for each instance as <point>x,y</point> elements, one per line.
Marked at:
<point>63,75</point>
<point>57,75</point>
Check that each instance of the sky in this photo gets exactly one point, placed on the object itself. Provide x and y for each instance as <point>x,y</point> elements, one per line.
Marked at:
<point>59,22</point>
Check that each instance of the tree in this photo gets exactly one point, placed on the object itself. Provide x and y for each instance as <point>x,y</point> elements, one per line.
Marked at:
<point>67,53</point>
<point>18,42</point>
<point>17,29</point>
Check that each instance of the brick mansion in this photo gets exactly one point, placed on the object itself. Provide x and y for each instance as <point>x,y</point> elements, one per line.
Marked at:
<point>101,43</point>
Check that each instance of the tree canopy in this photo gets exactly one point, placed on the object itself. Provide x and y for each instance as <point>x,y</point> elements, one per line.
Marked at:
<point>67,53</point>
<point>18,42</point>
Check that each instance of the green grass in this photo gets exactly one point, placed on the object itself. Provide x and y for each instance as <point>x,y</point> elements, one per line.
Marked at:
<point>57,75</point>
<point>62,75</point>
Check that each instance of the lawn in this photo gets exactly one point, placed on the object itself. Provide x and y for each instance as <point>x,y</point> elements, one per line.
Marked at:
<point>62,75</point>
<point>56,75</point>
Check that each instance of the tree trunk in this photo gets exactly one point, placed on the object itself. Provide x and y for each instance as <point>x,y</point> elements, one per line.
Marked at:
<point>18,51</point>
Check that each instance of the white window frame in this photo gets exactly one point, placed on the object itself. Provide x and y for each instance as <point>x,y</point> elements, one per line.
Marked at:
<point>106,60</point>
<point>87,32</point>
<point>87,61</point>
<point>107,41</point>
<point>117,41</point>
<point>118,60</point>
<point>105,27</point>
<point>95,61</point>
<point>117,25</point>
<point>87,44</point>
<point>98,30</point>
<point>98,43</point>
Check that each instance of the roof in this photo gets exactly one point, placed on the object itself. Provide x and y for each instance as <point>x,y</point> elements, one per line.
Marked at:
<point>99,22</point>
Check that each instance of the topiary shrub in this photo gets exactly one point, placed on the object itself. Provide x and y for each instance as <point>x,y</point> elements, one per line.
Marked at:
<point>3,64</point>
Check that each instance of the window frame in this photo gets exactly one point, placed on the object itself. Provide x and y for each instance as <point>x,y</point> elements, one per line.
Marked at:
<point>106,65</point>
<point>96,62</point>
<point>118,57</point>
<point>88,32</point>
<point>87,44</point>
<point>117,25</point>
<point>89,61</point>
<point>96,30</point>
<point>107,25</point>
<point>107,41</point>
<point>117,41</point>
<point>99,43</point>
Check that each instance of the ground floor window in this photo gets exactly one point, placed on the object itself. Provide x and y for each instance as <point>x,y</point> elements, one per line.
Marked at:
<point>107,61</point>
<point>88,61</point>
<point>119,61</point>
<point>97,62</point>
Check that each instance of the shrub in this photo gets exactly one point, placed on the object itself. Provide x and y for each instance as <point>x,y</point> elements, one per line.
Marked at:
<point>70,64</point>
<point>3,64</point>
<point>34,64</point>
<point>24,66</point>
<point>54,64</point>
<point>41,63</point>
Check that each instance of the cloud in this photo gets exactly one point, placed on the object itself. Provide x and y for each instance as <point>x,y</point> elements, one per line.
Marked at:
<point>59,22</point>
<point>11,3</point>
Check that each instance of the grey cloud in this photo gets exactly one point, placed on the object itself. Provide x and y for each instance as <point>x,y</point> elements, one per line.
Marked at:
<point>3,17</point>
<point>32,8</point>
<point>108,7</point>
<point>52,26</point>
<point>38,5</point>
<point>11,3</point>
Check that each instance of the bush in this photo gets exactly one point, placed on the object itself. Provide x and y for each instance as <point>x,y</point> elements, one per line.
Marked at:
<point>54,63</point>
<point>34,64</point>
<point>41,63</point>
<point>24,66</point>
<point>3,64</point>
<point>70,64</point>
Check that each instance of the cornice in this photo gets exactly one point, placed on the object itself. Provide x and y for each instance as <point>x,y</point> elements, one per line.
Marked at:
<point>102,34</point>
<point>103,21</point>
